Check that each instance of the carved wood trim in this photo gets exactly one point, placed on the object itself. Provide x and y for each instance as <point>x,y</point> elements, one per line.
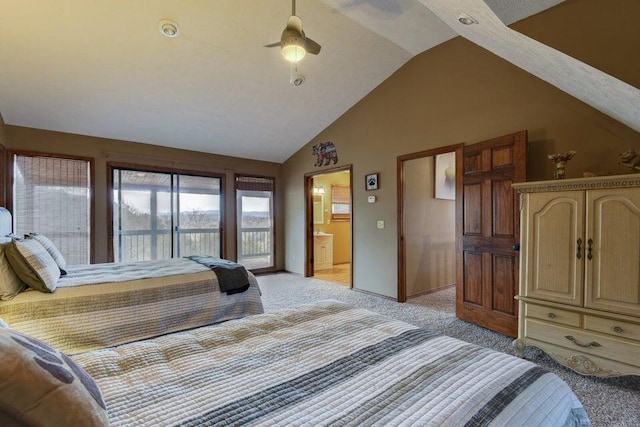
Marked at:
<point>597,183</point>
<point>583,365</point>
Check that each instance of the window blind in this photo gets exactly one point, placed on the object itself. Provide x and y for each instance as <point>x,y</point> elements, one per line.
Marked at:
<point>51,196</point>
<point>340,195</point>
<point>254,183</point>
<point>340,203</point>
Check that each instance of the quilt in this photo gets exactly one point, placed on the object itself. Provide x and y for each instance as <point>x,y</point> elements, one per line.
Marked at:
<point>324,364</point>
<point>103,305</point>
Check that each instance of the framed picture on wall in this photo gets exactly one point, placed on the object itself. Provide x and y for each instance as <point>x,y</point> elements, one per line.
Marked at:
<point>445,178</point>
<point>371,181</point>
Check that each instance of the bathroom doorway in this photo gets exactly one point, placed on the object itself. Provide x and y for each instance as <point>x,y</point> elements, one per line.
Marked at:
<point>329,231</point>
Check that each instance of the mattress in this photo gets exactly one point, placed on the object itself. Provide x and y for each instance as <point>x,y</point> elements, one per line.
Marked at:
<point>326,363</point>
<point>102,305</point>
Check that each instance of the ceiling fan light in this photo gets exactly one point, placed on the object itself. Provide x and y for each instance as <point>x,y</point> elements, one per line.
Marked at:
<point>293,52</point>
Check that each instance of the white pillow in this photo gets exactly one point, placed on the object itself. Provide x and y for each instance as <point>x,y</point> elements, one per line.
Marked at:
<point>51,248</point>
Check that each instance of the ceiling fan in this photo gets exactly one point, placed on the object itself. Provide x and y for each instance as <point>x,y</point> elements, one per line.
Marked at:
<point>293,42</point>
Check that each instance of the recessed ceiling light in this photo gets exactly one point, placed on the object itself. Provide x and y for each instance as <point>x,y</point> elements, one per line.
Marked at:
<point>465,19</point>
<point>168,28</point>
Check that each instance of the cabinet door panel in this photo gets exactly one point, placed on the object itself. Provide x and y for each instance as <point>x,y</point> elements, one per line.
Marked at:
<point>613,272</point>
<point>554,255</point>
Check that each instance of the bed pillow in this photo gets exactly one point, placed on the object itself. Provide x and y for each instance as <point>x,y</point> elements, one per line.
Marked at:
<point>43,386</point>
<point>33,264</point>
<point>10,283</point>
<point>51,248</point>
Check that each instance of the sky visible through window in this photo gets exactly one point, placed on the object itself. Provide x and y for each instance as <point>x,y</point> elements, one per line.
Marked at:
<point>141,201</point>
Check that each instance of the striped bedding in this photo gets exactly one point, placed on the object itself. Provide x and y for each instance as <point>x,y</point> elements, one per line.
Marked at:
<point>324,364</point>
<point>103,305</point>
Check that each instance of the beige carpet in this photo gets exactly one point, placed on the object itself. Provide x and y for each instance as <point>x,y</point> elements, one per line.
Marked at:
<point>609,402</point>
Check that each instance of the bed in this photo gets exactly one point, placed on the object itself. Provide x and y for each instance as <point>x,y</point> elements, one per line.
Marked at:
<point>325,363</point>
<point>102,305</point>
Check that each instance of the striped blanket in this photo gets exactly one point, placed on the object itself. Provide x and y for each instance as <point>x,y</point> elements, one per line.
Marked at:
<point>104,305</point>
<point>324,364</point>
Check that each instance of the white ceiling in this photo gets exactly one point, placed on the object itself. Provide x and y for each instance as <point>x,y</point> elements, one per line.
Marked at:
<point>102,68</point>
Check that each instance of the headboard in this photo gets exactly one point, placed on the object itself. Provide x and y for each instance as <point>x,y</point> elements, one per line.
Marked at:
<point>6,224</point>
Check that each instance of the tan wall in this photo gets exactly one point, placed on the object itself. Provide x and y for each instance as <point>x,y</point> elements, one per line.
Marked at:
<point>107,150</point>
<point>456,93</point>
<point>341,230</point>
<point>3,159</point>
<point>430,232</point>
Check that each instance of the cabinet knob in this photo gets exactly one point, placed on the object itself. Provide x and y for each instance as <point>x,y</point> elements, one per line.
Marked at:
<point>516,247</point>
<point>617,330</point>
<point>590,249</point>
<point>551,316</point>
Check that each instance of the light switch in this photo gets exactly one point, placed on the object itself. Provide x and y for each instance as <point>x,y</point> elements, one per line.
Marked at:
<point>371,199</point>
<point>380,223</point>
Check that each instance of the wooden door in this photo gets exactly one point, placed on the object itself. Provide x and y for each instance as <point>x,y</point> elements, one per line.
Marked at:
<point>487,228</point>
<point>612,250</point>
<point>554,246</point>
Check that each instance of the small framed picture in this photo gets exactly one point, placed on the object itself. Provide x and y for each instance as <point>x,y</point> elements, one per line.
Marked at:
<point>371,181</point>
<point>445,176</point>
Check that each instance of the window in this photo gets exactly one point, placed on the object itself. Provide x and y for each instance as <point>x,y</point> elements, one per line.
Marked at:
<point>51,195</point>
<point>340,203</point>
<point>255,223</point>
<point>161,215</point>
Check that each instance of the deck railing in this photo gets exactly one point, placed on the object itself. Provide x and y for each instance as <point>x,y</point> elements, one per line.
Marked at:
<point>144,245</point>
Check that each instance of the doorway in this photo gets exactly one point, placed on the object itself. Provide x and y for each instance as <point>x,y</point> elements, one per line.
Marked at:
<point>426,201</point>
<point>486,226</point>
<point>329,230</point>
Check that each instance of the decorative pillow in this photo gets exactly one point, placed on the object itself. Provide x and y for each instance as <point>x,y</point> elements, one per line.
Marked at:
<point>10,283</point>
<point>42,386</point>
<point>33,264</point>
<point>51,248</point>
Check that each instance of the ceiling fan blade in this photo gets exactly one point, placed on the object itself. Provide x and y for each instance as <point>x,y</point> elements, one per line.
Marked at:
<point>313,47</point>
<point>272,45</point>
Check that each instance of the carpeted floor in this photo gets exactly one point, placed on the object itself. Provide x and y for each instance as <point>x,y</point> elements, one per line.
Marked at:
<point>608,401</point>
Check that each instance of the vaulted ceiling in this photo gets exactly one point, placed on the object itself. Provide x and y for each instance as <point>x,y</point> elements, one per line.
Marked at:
<point>103,68</point>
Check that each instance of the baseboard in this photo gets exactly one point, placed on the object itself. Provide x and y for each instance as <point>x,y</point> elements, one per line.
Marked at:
<point>430,291</point>
<point>375,294</point>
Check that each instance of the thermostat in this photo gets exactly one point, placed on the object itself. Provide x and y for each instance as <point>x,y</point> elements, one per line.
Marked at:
<point>371,199</point>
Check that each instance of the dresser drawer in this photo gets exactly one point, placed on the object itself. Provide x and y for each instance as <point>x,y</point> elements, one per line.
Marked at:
<point>555,315</point>
<point>617,328</point>
<point>582,341</point>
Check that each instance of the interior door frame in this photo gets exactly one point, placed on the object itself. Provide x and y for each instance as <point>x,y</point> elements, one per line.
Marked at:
<point>308,217</point>
<point>402,274</point>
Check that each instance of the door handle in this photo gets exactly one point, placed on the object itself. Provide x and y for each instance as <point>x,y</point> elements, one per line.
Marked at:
<point>575,341</point>
<point>590,249</point>
<point>579,250</point>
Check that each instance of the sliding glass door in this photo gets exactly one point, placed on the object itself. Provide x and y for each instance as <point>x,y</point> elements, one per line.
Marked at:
<point>161,215</point>
<point>255,224</point>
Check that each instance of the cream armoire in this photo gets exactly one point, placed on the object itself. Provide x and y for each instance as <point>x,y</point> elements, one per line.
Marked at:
<point>579,298</point>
